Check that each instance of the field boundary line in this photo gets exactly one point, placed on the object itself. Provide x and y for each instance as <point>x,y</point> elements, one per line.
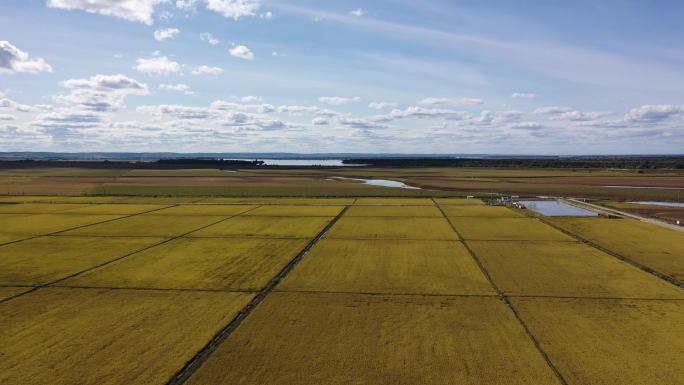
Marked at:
<point>82,226</point>
<point>508,303</point>
<point>665,277</point>
<point>384,294</point>
<point>184,374</point>
<point>116,259</point>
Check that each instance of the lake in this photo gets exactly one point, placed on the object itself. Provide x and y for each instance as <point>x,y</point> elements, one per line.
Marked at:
<point>557,208</point>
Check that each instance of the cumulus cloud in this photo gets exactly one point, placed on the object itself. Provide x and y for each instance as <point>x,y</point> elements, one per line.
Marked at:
<point>13,60</point>
<point>523,95</point>
<point>7,104</point>
<point>186,5</point>
<point>579,116</point>
<point>358,12</point>
<point>209,38</point>
<point>101,92</point>
<point>422,113</point>
<point>207,70</point>
<point>382,105</point>
<point>234,9</point>
<point>157,66</point>
<point>242,52</point>
<point>180,87</point>
<point>320,122</point>
<point>337,100</point>
<point>166,34</point>
<point>552,110</point>
<point>7,117</point>
<point>530,126</point>
<point>654,113</point>
<point>450,102</point>
<point>250,99</point>
<point>132,10</point>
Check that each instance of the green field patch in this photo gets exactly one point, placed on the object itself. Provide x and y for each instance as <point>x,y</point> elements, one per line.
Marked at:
<point>392,228</point>
<point>606,342</point>
<point>67,336</point>
<point>23,198</point>
<point>403,267</point>
<point>295,338</point>
<point>147,225</point>
<point>265,227</point>
<point>566,269</point>
<point>296,211</point>
<point>161,200</point>
<point>481,211</point>
<point>206,209</point>
<point>43,260</point>
<point>659,248</point>
<point>507,229</point>
<point>85,199</point>
<point>48,223</point>
<point>198,263</point>
<point>393,211</point>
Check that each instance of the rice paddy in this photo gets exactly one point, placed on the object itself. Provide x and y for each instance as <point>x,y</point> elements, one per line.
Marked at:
<point>330,291</point>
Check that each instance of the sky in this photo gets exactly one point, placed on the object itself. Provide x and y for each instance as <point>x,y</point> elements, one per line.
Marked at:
<point>394,76</point>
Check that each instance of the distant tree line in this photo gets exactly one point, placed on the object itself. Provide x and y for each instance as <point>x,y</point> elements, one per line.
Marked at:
<point>633,163</point>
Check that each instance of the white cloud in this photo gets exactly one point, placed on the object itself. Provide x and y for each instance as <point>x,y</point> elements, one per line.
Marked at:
<point>450,101</point>
<point>242,52</point>
<point>12,60</point>
<point>157,66</point>
<point>266,15</point>
<point>180,87</point>
<point>422,113</point>
<point>101,92</point>
<point>523,95</point>
<point>579,116</point>
<point>251,99</point>
<point>530,126</point>
<point>7,117</point>
<point>338,100</point>
<point>654,113</point>
<point>209,38</point>
<point>382,105</point>
<point>275,54</point>
<point>166,34</point>
<point>186,5</point>
<point>357,12</point>
<point>207,70</point>
<point>8,104</point>
<point>320,122</point>
<point>234,9</point>
<point>552,110</point>
<point>132,10</point>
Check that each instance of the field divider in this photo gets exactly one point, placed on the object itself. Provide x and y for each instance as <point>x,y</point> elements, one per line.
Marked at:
<point>669,279</point>
<point>82,226</point>
<point>120,257</point>
<point>196,362</point>
<point>506,301</point>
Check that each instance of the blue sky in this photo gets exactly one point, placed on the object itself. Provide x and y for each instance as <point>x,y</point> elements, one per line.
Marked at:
<point>501,76</point>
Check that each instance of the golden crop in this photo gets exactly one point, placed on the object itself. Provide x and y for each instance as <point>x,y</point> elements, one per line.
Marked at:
<point>381,266</point>
<point>198,263</point>
<point>220,210</point>
<point>47,223</point>
<point>265,227</point>
<point>518,229</point>
<point>149,225</point>
<point>393,211</point>
<point>656,247</point>
<point>43,260</point>
<point>609,341</point>
<point>480,211</point>
<point>296,211</point>
<point>102,336</point>
<point>392,228</point>
<point>297,338</point>
<point>566,269</point>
